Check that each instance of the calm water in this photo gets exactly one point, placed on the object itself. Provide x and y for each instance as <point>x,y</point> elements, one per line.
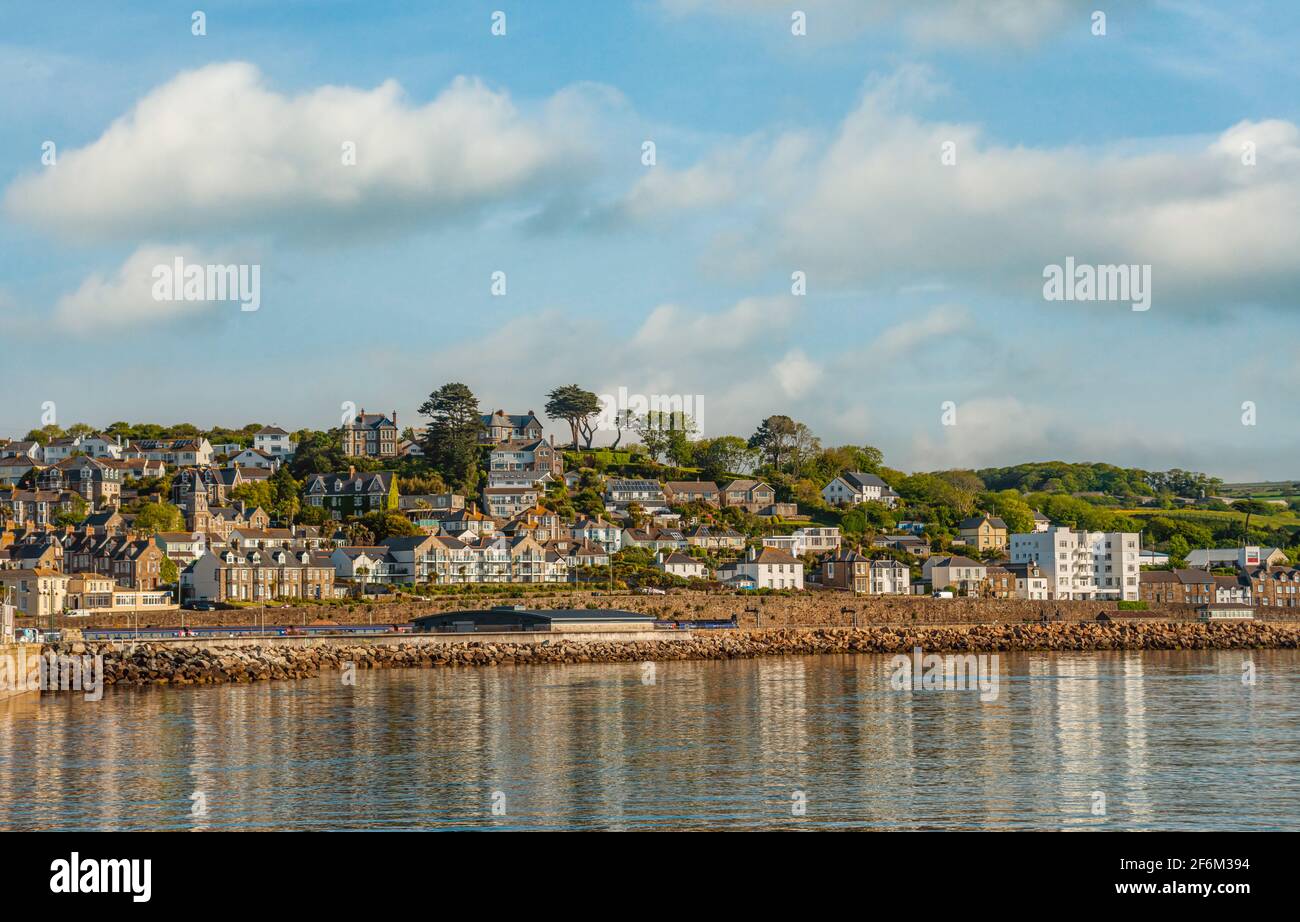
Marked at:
<point>1175,741</point>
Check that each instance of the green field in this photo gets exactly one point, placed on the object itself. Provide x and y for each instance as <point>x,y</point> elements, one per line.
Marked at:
<point>1280,519</point>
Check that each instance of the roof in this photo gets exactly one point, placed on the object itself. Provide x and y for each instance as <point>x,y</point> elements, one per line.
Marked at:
<point>506,614</point>
<point>1185,577</point>
<point>955,561</point>
<point>975,521</point>
<point>270,430</point>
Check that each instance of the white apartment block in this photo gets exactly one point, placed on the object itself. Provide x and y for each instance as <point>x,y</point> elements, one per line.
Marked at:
<point>1083,564</point>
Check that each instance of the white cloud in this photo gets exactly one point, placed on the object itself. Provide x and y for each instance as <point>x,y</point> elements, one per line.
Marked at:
<point>126,299</point>
<point>216,148</point>
<point>797,374</point>
<point>903,337</point>
<point>670,326</point>
<point>878,205</point>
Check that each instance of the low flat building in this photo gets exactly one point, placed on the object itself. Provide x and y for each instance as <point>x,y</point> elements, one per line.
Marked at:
<point>511,618</point>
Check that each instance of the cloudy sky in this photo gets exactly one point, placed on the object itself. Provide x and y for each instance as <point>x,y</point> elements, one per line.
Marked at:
<point>1171,141</point>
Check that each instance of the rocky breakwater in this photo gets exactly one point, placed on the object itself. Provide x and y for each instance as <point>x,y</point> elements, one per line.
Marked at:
<point>181,664</point>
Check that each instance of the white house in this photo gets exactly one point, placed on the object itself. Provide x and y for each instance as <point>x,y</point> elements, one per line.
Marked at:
<point>1083,564</point>
<point>962,573</point>
<point>274,441</point>
<point>769,568</point>
<point>683,565</point>
<point>254,457</point>
<point>857,487</point>
<point>807,541</point>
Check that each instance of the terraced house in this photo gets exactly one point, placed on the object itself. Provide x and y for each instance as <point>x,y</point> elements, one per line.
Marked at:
<point>347,494</point>
<point>258,575</point>
<point>99,483</point>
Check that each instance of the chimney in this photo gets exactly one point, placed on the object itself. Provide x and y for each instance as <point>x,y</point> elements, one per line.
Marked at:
<point>394,417</point>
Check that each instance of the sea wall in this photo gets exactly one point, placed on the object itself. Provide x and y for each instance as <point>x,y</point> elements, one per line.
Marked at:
<point>806,609</point>
<point>189,664</point>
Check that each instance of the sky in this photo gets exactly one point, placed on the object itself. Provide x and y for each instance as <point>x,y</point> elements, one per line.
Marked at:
<point>917,166</point>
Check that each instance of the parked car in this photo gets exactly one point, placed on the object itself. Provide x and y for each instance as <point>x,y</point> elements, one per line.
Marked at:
<point>200,605</point>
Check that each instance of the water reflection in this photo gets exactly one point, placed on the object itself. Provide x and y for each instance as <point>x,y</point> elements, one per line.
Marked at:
<point>1173,740</point>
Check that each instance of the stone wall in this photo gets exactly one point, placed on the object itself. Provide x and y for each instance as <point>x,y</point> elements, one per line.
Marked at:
<point>806,609</point>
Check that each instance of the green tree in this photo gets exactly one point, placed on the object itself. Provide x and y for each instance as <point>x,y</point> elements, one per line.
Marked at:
<point>155,517</point>
<point>319,453</point>
<point>577,407</point>
<point>451,440</point>
<point>774,439</point>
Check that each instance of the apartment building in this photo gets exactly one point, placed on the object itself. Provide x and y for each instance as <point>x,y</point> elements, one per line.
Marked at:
<point>1083,564</point>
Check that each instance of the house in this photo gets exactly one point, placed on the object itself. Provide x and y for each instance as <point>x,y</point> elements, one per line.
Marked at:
<point>187,452</point>
<point>620,494</point>
<point>136,564</point>
<point>507,502</point>
<point>1186,587</point>
<point>1041,522</point>
<point>750,495</point>
<point>93,594</point>
<point>274,442</point>
<point>408,449</point>
<point>656,539</point>
<point>57,450</point>
<point>961,573</point>
<point>30,450</point>
<point>855,487</point>
<point>807,541</point>
<point>37,507</point>
<point>365,565</point>
<point>1149,558</point>
<point>1030,581</point>
<point>769,568</point>
<point>371,435</point>
<point>259,575</point>
<point>717,537</point>
<point>984,532</point>
<point>433,502</point>
<point>14,469</point>
<point>99,483</point>
<point>1083,564</point>
<point>598,531</point>
<point>1242,558</point>
<point>862,575</point>
<point>682,565</point>
<point>36,593</point>
<point>526,456</point>
<point>1275,587</point>
<point>681,492</point>
<point>1232,589</point>
<point>505,427</point>
<point>181,546</point>
<point>907,543</point>
<point>348,494</point>
<point>255,457</point>
<point>410,557</point>
<point>35,552</point>
<point>101,446</point>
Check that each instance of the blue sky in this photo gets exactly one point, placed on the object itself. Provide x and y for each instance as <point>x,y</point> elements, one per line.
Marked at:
<point>775,153</point>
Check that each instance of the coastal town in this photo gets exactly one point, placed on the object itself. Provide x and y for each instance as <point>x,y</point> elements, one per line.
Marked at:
<point>144,521</point>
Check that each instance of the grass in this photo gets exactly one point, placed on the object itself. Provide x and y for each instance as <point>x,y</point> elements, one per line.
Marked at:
<point>1283,518</point>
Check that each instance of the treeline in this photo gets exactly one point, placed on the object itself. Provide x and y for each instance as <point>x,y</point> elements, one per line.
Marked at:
<point>1065,477</point>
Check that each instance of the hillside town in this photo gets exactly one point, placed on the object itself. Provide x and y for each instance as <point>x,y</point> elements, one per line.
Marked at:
<point>144,520</point>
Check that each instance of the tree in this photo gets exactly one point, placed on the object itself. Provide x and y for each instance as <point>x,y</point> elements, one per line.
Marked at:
<point>576,407</point>
<point>774,439</point>
<point>451,440</point>
<point>168,572</point>
<point>383,525</point>
<point>726,454</point>
<point>155,517</point>
<point>285,492</point>
<point>319,453</point>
